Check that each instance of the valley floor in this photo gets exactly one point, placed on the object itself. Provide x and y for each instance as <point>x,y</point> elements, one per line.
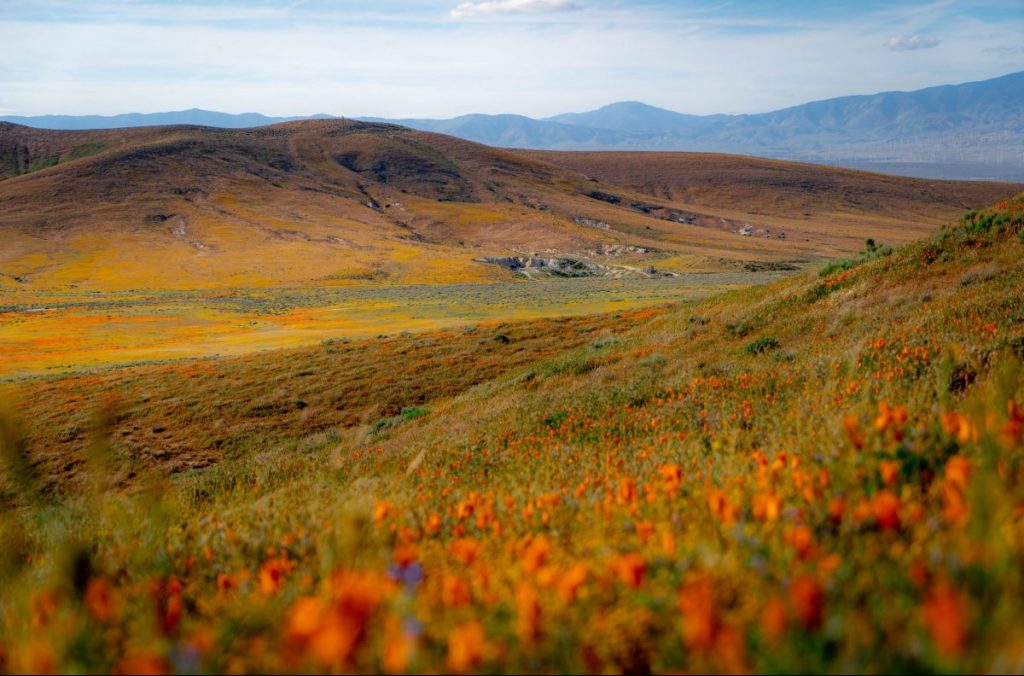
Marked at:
<point>59,333</point>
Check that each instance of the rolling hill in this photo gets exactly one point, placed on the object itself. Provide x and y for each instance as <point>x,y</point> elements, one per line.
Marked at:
<point>964,131</point>
<point>344,202</point>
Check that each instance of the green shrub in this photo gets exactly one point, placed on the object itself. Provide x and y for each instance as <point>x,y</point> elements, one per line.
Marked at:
<point>762,345</point>
<point>833,267</point>
<point>413,412</point>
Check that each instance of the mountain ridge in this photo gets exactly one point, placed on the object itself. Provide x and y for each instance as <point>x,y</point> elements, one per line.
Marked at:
<point>971,130</point>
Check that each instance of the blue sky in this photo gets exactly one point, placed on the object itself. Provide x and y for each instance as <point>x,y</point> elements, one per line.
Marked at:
<point>440,58</point>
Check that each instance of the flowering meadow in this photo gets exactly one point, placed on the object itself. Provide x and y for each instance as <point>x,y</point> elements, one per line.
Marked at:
<point>824,474</point>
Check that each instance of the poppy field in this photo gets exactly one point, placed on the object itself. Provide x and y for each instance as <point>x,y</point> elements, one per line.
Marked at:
<point>825,473</point>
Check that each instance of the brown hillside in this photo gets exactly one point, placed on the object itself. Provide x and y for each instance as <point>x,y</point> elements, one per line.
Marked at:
<point>779,188</point>
<point>342,202</point>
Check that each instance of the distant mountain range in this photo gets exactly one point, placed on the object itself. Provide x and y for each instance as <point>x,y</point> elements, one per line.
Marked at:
<point>972,130</point>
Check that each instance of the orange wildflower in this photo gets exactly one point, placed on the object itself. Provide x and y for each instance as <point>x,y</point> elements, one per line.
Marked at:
<point>767,507</point>
<point>465,550</point>
<point>958,471</point>
<point>142,664</point>
<point>890,417</point>
<point>398,647</point>
<point>330,631</point>
<point>536,554</point>
<point>630,569</point>
<point>720,506</point>
<point>272,573</point>
<point>944,613</point>
<point>467,647</point>
<point>801,539</point>
<point>890,471</point>
<point>959,426</point>
<point>851,426</point>
<point>700,620</point>
<point>433,526</point>
<point>455,591</point>
<point>381,511</point>
<point>774,620</point>
<point>1013,429</point>
<point>626,492</point>
<point>886,509</point>
<point>571,581</point>
<point>527,613</point>
<point>836,508</point>
<point>671,478</point>
<point>954,506</point>
<point>168,603</point>
<point>100,600</point>
<point>668,542</point>
<point>808,601</point>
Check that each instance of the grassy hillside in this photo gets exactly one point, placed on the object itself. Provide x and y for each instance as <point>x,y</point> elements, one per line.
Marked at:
<point>824,474</point>
<point>336,202</point>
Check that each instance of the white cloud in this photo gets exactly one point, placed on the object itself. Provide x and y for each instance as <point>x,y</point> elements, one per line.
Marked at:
<point>483,7</point>
<point>906,43</point>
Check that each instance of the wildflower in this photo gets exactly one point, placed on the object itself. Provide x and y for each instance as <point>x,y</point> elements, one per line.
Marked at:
<point>467,647</point>
<point>168,603</point>
<point>944,614</point>
<point>100,600</point>
<point>465,550</point>
<point>142,664</point>
<point>433,526</point>
<point>890,471</point>
<point>767,507</point>
<point>890,418</point>
<point>960,427</point>
<point>571,581</point>
<point>671,478</point>
<point>1013,429</point>
<point>272,573</point>
<point>536,554</point>
<point>836,508</point>
<point>455,591</point>
<point>886,509</point>
<point>626,492</point>
<point>381,511</point>
<point>807,600</point>
<point>399,644</point>
<point>668,542</point>
<point>801,539</point>
<point>527,613</point>
<point>958,471</point>
<point>721,507</point>
<point>700,621</point>
<point>853,432</point>
<point>330,631</point>
<point>774,620</point>
<point>630,569</point>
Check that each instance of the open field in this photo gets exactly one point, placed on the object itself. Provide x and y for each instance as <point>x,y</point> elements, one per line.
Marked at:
<point>825,473</point>
<point>43,334</point>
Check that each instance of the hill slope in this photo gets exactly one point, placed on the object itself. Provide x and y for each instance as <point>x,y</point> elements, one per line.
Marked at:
<point>964,131</point>
<point>822,474</point>
<point>342,202</point>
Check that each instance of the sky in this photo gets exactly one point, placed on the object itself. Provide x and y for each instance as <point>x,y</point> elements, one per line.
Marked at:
<point>443,58</point>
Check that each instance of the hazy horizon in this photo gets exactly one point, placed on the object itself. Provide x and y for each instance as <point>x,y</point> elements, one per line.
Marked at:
<point>445,58</point>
